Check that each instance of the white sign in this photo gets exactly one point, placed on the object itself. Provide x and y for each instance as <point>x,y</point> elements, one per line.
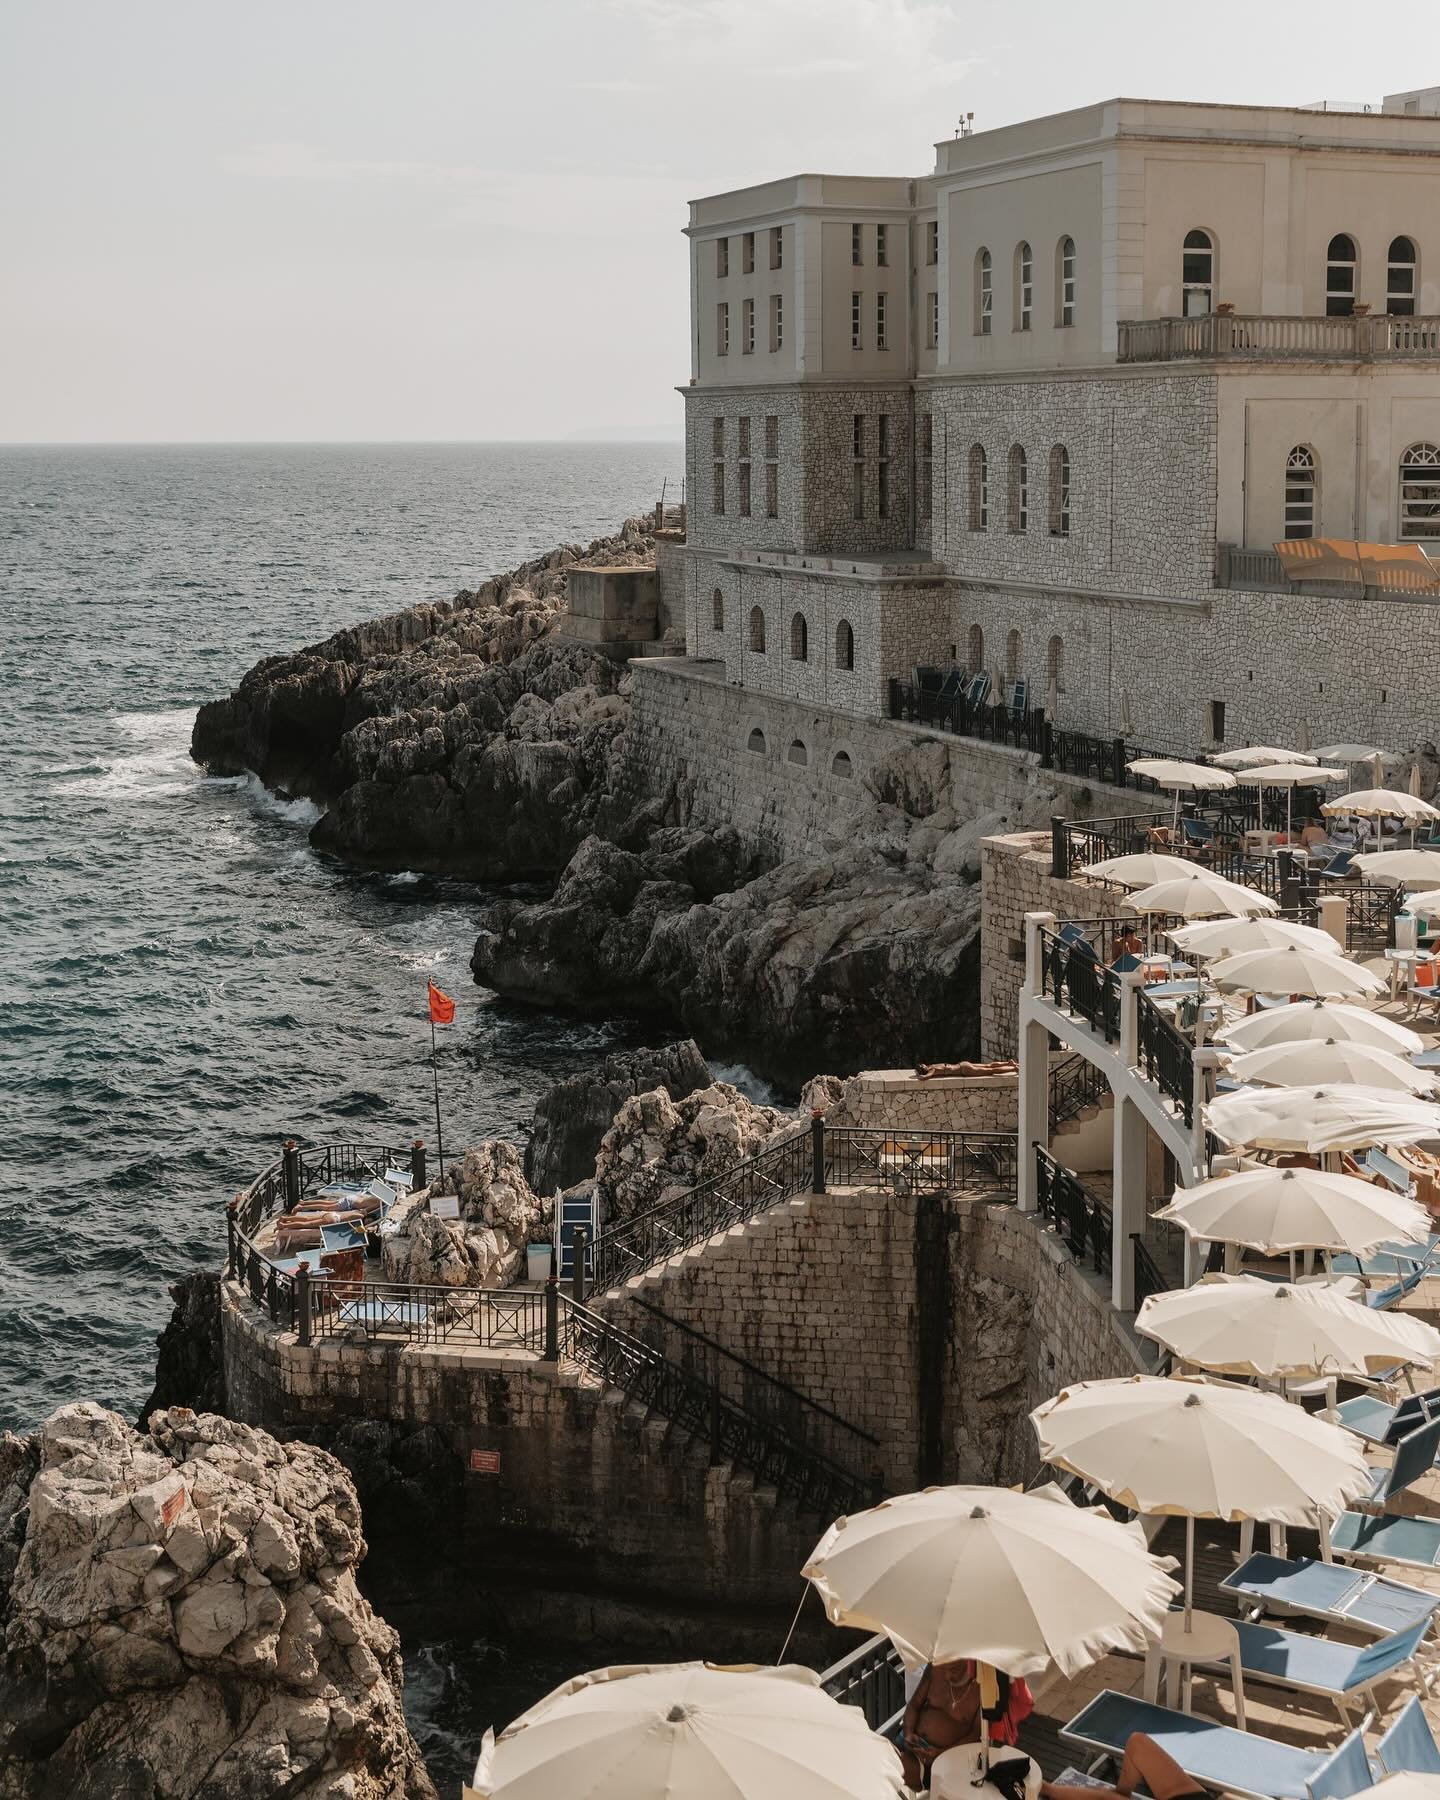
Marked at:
<point>446,1206</point>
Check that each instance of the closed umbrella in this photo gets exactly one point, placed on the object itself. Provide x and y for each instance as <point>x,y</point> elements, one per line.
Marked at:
<point>1241,1325</point>
<point>1234,937</point>
<point>1308,1019</point>
<point>1321,1061</point>
<point>1257,754</point>
<point>1012,1579</point>
<point>1289,775</point>
<point>1311,1121</point>
<point>1294,969</point>
<point>1422,867</point>
<point>1181,777</point>
<point>1141,868</point>
<point>1200,895</point>
<point>1201,1449</point>
<point>688,1731</point>
<point>1277,1211</point>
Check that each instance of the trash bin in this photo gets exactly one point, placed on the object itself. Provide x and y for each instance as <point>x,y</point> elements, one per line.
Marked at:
<point>537,1262</point>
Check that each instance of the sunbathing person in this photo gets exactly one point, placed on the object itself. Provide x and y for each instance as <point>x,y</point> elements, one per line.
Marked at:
<point>1145,1761</point>
<point>944,1071</point>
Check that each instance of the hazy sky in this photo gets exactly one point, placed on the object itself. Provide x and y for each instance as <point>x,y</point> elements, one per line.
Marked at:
<point>330,219</point>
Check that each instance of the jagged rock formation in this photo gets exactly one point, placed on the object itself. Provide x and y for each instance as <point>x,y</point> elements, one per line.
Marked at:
<point>485,1246</point>
<point>189,1359</point>
<point>658,1147</point>
<point>181,1620</point>
<point>572,1117</point>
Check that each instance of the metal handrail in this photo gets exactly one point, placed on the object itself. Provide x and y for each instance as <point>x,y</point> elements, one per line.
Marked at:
<point>1075,1084</point>
<point>1079,1216</point>
<point>871,1677</point>
<point>1164,1055</point>
<point>1148,1276</point>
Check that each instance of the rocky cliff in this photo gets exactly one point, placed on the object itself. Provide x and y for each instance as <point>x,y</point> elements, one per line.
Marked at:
<point>181,1620</point>
<point>573,1116</point>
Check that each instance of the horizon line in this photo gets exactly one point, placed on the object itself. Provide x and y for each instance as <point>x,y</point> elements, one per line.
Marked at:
<point>319,443</point>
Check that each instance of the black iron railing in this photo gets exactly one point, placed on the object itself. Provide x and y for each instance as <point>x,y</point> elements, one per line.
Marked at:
<point>696,1408</point>
<point>483,1318</point>
<point>1164,1055</point>
<point>1079,1216</point>
<point>1078,843</point>
<point>1149,1278</point>
<point>1370,915</point>
<point>1076,1085</point>
<point>1024,728</point>
<point>924,1162</point>
<point>1073,976</point>
<point>872,1678</point>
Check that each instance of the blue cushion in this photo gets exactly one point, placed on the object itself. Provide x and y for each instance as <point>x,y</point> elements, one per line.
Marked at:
<point>1213,1755</point>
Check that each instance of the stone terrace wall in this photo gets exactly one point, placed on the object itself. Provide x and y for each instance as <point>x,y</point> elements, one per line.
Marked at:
<point>893,1099</point>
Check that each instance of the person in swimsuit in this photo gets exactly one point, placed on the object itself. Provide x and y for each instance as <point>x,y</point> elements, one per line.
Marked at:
<point>943,1711</point>
<point>1145,1761</point>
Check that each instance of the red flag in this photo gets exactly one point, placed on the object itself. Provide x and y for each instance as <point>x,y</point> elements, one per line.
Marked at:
<point>442,1007</point>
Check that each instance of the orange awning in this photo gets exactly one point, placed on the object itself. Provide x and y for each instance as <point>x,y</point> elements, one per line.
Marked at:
<point>1402,566</point>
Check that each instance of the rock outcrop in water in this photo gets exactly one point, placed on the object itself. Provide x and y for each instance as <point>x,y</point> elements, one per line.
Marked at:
<point>181,1620</point>
<point>573,1116</point>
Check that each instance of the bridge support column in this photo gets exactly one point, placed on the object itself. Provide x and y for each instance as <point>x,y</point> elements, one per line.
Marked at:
<point>1033,1109</point>
<point>1127,1200</point>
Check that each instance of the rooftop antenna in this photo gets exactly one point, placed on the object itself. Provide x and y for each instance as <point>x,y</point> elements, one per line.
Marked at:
<point>966,126</point>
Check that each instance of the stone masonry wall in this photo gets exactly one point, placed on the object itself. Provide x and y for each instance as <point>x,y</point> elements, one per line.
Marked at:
<point>894,1099</point>
<point>731,529</point>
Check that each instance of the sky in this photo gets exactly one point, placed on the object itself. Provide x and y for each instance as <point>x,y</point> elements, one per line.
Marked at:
<point>389,220</point>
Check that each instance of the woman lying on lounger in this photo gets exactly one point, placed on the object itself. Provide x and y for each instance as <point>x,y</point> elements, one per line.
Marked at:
<point>1144,1761</point>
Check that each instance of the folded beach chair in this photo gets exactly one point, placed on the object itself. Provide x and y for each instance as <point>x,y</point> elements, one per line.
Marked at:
<point>1409,1747</point>
<point>949,689</point>
<point>1415,1455</point>
<point>1336,1595</point>
<point>1341,866</point>
<point>382,1192</point>
<point>1212,1755</point>
<point>1348,1771</point>
<point>1340,1673</point>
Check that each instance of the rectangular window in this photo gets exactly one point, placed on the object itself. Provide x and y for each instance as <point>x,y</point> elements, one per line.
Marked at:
<point>772,435</point>
<point>718,505</point>
<point>857,466</point>
<point>777,247</point>
<point>747,253</point>
<point>927,463</point>
<point>1217,721</point>
<point>747,327</point>
<point>857,436</point>
<point>1067,281</point>
<point>882,247</point>
<point>722,328</point>
<point>717,437</point>
<point>932,242</point>
<point>743,432</point>
<point>855,321</point>
<point>777,322</point>
<point>882,486</point>
<point>882,342</point>
<point>772,490</point>
<point>722,257</point>
<point>932,321</point>
<point>857,253</point>
<point>744,490</point>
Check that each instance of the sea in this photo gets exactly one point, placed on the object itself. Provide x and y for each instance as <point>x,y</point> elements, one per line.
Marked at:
<point>183,981</point>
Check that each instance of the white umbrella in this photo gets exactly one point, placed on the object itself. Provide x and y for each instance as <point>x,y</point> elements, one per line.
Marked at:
<point>1314,1120</point>
<point>1201,1449</point>
<point>1015,1580</point>
<point>1347,753</point>
<point>1241,1325</point>
<point>1408,1785</point>
<point>1181,777</point>
<point>1381,803</point>
<point>1294,969</point>
<point>1276,1211</point>
<point>1320,1061</point>
<point>688,1731</point>
<point>1235,937</point>
<point>1141,868</point>
<point>1256,754</point>
<point>1289,775</point>
<point>1308,1019</point>
<point>1201,895</point>
<point>1401,866</point>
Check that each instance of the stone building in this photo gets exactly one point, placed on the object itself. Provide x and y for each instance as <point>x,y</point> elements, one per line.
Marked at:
<point>1047,411</point>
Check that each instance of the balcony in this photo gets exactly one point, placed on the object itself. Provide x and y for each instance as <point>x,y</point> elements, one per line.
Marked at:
<point>1260,571</point>
<point>1249,337</point>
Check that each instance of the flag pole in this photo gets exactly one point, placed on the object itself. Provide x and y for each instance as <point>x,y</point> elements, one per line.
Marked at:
<point>435,1073</point>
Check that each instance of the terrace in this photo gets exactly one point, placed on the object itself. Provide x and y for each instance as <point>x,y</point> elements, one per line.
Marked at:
<point>1252,337</point>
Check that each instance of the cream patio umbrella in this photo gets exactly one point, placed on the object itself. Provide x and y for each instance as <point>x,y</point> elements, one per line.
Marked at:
<point>1308,1019</point>
<point>1294,969</point>
<point>1236,937</point>
<point>1401,867</point>
<point>688,1731</point>
<point>1140,868</point>
<point>1181,777</point>
<point>1016,1580</point>
<point>1320,1061</point>
<point>1311,1121</point>
<point>1242,1325</point>
<point>1382,803</point>
<point>1289,775</point>
<point>1201,1449</point>
<point>1407,1785</point>
<point>1276,1211</point>
<point>1201,895</point>
<point>1256,754</point>
<point>1347,753</point>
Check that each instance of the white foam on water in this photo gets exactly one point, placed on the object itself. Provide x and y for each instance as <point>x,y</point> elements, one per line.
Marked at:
<point>751,1085</point>
<point>160,764</point>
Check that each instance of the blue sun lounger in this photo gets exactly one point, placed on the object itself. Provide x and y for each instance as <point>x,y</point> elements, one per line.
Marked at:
<point>1415,1455</point>
<point>1349,1771</point>
<point>1330,1592</point>
<point>1409,1747</point>
<point>383,1315</point>
<point>1339,1673</point>
<point>1385,1422</point>
<point>1387,1537</point>
<point>1212,1755</point>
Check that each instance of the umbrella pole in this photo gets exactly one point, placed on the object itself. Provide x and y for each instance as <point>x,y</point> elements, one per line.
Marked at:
<point>1189,1568</point>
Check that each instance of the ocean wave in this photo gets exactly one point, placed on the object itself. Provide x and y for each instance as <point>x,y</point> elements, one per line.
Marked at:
<point>751,1085</point>
<point>159,765</point>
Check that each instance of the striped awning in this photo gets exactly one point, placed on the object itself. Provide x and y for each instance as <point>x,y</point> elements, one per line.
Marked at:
<point>1403,566</point>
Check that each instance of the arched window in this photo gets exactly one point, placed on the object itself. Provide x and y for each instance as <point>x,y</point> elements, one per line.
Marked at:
<point>756,742</point>
<point>1400,284</point>
<point>984,293</point>
<point>841,766</point>
<point>1024,286</point>
<point>1055,665</point>
<point>757,630</point>
<point>975,650</point>
<point>1019,489</point>
<point>1059,491</point>
<point>717,610</point>
<point>1012,655</point>
<point>1420,492</point>
<point>799,639</point>
<point>1302,486</point>
<point>797,753</point>
<point>1065,281</point>
<point>1197,274</point>
<point>979,488</point>
<point>844,645</point>
<point>1340,273</point>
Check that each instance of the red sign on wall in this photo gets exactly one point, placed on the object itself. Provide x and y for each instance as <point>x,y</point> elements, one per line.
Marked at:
<point>484,1462</point>
<point>174,1505</point>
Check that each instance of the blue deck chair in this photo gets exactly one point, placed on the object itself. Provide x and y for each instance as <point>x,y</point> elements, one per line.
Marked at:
<point>928,678</point>
<point>1339,1673</point>
<point>1337,868</point>
<point>1387,1537</point>
<point>342,1237</point>
<point>1198,833</point>
<point>1305,1588</point>
<point>1394,1259</point>
<point>1409,1747</point>
<point>1384,1422</point>
<point>1345,1773</point>
<point>1390,1170</point>
<point>1415,1455</point>
<point>977,690</point>
<point>1020,697</point>
<point>949,689</point>
<point>1213,1756</point>
<point>1383,1299</point>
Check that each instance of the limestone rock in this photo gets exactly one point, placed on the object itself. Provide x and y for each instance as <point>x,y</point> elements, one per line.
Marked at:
<point>182,1619</point>
<point>189,1362</point>
<point>658,1147</point>
<point>485,1247</point>
<point>573,1116</point>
